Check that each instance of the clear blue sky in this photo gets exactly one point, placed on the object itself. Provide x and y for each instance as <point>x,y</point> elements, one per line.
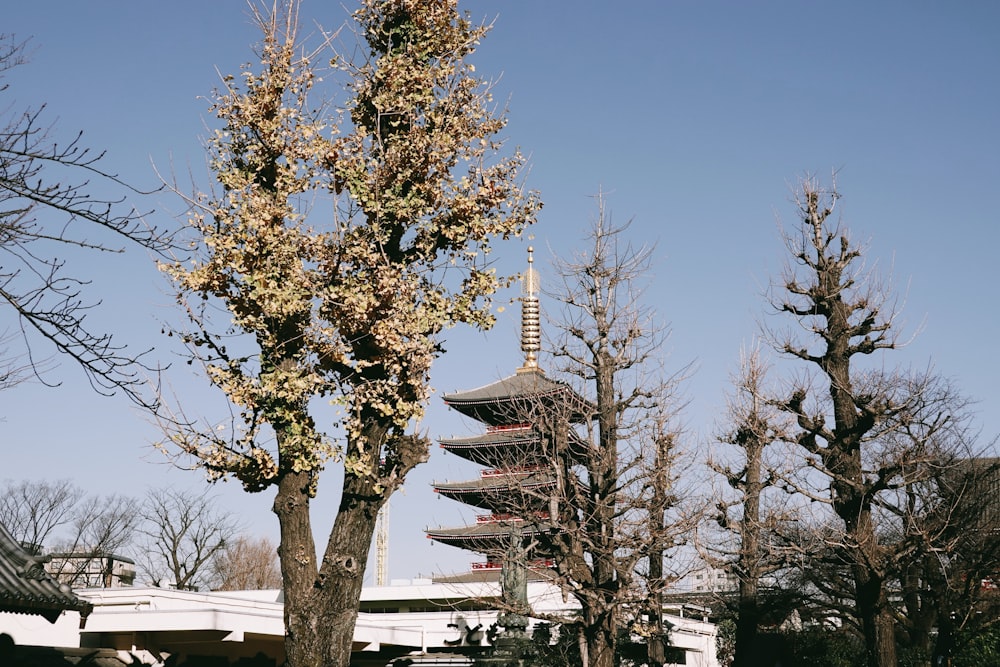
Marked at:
<point>696,118</point>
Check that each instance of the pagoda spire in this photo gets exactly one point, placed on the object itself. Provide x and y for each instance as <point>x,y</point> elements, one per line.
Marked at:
<point>531,328</point>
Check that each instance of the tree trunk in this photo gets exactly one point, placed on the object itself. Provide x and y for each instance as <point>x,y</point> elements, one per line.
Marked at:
<point>344,563</point>
<point>843,459</point>
<point>747,621</point>
<point>297,552</point>
<point>876,618</point>
<point>921,606</point>
<point>655,655</point>
<point>748,617</point>
<point>321,605</point>
<point>600,635</point>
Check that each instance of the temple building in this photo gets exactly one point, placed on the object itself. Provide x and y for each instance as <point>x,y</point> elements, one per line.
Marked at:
<point>519,482</point>
<point>27,588</point>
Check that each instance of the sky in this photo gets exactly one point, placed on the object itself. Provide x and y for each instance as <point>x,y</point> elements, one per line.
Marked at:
<point>696,119</point>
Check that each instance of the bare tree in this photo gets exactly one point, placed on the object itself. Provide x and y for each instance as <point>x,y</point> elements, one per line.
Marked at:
<point>101,533</point>
<point>183,533</point>
<point>956,578</point>
<point>247,563</point>
<point>613,510</point>
<point>942,518</point>
<point>867,436</point>
<point>753,426</point>
<point>46,205</point>
<point>32,511</point>
<point>850,317</point>
<point>349,306</point>
<point>59,518</point>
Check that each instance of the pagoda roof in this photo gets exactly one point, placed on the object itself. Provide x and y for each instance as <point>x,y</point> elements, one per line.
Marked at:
<point>26,588</point>
<point>503,445</point>
<point>517,397</point>
<point>497,435</point>
<point>491,537</point>
<point>491,491</point>
<point>520,444</point>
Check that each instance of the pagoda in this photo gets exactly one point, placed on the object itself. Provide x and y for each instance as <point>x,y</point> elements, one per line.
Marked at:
<point>518,451</point>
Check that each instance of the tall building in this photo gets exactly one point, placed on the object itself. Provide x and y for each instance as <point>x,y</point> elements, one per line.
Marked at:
<point>519,481</point>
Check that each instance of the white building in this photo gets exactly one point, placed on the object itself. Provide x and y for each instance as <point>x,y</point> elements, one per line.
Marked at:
<point>151,624</point>
<point>708,580</point>
<point>86,569</point>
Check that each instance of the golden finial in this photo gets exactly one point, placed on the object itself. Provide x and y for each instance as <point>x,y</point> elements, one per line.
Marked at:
<point>531,330</point>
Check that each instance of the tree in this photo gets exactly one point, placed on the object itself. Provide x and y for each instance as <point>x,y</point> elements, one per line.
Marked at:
<point>350,309</point>
<point>33,510</point>
<point>184,534</point>
<point>847,314</point>
<point>948,587</point>
<point>246,563</point>
<point>613,508</point>
<point>753,426</point>
<point>102,528</point>
<point>868,436</point>
<point>47,207</point>
<point>59,518</point>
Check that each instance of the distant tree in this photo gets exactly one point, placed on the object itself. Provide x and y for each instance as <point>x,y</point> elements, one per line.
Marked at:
<point>60,518</point>
<point>247,563</point>
<point>348,306</point>
<point>182,535</point>
<point>34,510</point>
<point>101,530</point>
<point>48,206</point>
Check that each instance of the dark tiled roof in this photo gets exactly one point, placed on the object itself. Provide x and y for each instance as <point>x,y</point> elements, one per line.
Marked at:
<point>499,492</point>
<point>26,588</point>
<point>525,435</point>
<point>516,398</point>
<point>514,446</point>
<point>491,537</point>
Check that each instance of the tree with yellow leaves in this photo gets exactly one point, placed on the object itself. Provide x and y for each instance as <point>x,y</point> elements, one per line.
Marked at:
<point>347,305</point>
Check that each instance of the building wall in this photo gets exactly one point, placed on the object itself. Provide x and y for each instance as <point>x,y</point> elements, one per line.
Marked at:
<point>31,630</point>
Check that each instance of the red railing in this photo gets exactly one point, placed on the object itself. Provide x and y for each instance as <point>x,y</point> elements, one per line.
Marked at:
<point>507,427</point>
<point>492,565</point>
<point>494,518</point>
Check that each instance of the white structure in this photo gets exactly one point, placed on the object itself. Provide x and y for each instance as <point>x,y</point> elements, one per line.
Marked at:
<point>151,624</point>
<point>85,569</point>
<point>708,580</point>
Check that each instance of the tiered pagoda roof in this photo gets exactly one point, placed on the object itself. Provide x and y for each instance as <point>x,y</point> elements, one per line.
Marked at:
<point>518,398</point>
<point>488,537</point>
<point>502,490</point>
<point>517,442</point>
<point>515,447</point>
<point>514,444</point>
